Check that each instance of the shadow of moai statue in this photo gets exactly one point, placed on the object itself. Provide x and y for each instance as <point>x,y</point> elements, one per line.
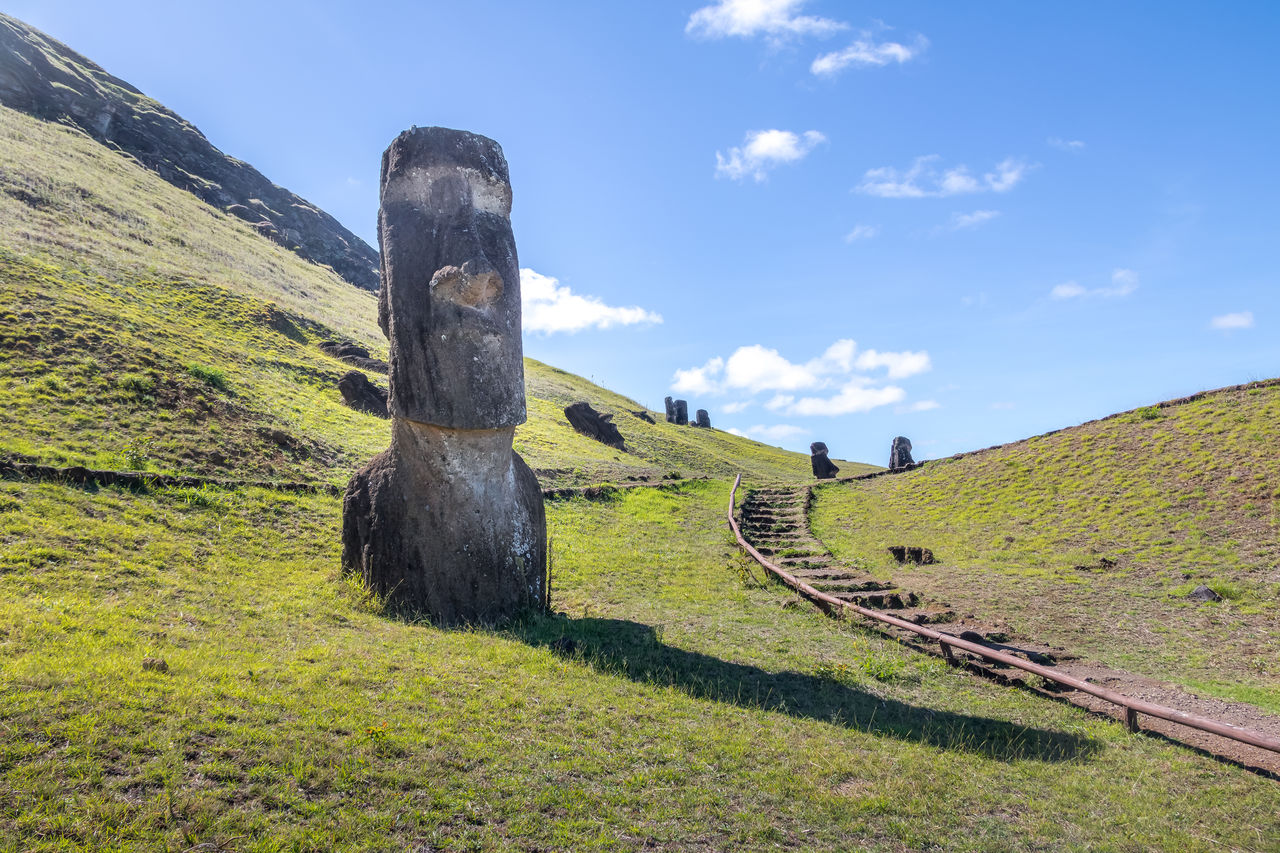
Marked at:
<point>449,521</point>
<point>823,467</point>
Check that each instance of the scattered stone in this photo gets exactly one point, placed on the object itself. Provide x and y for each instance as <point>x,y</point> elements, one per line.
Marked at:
<point>449,521</point>
<point>823,467</point>
<point>362,395</point>
<point>671,410</point>
<point>900,454</point>
<point>911,554</point>
<point>353,354</point>
<point>644,416</point>
<point>1203,593</point>
<point>155,664</point>
<point>703,419</point>
<point>973,637</point>
<point>593,424</point>
<point>682,413</point>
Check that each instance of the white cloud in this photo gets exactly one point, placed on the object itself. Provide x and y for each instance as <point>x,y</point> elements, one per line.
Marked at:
<point>918,406</point>
<point>780,401</point>
<point>862,232</point>
<point>924,180</point>
<point>549,306</point>
<point>866,52</point>
<point>734,408</point>
<point>1123,282</point>
<point>853,397</point>
<point>775,19</point>
<point>900,364</point>
<point>1238,320</point>
<point>774,432</point>
<point>1065,144</point>
<point>961,221</point>
<point>763,150</point>
<point>757,368</point>
<point>699,380</point>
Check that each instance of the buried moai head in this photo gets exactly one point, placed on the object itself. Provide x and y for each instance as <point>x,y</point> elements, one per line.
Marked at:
<point>900,454</point>
<point>450,296</point>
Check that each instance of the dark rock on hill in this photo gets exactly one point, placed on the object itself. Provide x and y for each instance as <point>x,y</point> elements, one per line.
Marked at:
<point>46,79</point>
<point>362,395</point>
<point>589,422</point>
<point>900,454</point>
<point>823,467</point>
<point>353,354</point>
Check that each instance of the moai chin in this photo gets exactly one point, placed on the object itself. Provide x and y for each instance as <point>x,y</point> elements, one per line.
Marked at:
<point>449,521</point>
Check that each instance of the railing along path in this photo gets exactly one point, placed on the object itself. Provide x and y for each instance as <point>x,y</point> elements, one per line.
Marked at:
<point>947,642</point>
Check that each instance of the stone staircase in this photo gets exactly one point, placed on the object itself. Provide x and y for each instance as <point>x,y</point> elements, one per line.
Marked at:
<point>775,520</point>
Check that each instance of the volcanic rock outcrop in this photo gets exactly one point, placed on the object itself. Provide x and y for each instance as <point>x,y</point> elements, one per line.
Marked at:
<point>597,425</point>
<point>362,395</point>
<point>44,78</point>
<point>823,467</point>
<point>900,454</point>
<point>449,521</point>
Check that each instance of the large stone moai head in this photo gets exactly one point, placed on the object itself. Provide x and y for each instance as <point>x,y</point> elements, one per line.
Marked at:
<point>450,296</point>
<point>900,454</point>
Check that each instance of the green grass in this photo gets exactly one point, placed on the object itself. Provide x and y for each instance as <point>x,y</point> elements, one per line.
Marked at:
<point>695,711</point>
<point>1090,538</point>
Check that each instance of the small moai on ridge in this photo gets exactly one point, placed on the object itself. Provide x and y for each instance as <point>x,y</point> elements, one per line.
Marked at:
<point>671,410</point>
<point>449,521</point>
<point>682,413</point>
<point>703,419</point>
<point>823,467</point>
<point>900,454</point>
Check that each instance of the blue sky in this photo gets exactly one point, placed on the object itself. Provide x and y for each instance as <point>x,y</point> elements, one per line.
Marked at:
<point>962,223</point>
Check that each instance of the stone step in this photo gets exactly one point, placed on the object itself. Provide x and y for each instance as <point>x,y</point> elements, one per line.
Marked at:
<point>890,599</point>
<point>850,584</point>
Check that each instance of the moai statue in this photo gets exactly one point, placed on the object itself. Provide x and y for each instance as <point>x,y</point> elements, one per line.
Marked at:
<point>900,454</point>
<point>671,410</point>
<point>823,467</point>
<point>682,413</point>
<point>703,420</point>
<point>449,521</point>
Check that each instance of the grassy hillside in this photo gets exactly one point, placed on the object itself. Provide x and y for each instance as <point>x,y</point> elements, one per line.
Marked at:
<point>1092,536</point>
<point>141,326</point>
<point>696,710</point>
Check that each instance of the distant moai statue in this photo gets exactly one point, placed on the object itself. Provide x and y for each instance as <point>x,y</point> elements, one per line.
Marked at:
<point>900,454</point>
<point>823,467</point>
<point>703,419</point>
<point>449,521</point>
<point>682,413</point>
<point>671,410</point>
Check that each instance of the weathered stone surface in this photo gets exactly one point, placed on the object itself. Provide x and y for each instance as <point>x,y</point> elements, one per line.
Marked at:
<point>597,425</point>
<point>44,78</point>
<point>671,410</point>
<point>823,467</point>
<point>449,521</point>
<point>900,454</point>
<point>362,395</point>
<point>703,419</point>
<point>450,296</point>
<point>682,413</point>
<point>1203,593</point>
<point>353,354</point>
<point>644,416</point>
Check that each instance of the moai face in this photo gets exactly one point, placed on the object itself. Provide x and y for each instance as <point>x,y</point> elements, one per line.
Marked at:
<point>450,296</point>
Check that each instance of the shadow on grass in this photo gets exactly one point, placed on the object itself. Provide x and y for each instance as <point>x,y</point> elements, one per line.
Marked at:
<point>635,651</point>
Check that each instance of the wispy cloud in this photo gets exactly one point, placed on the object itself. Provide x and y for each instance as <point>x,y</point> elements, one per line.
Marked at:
<point>775,432</point>
<point>777,20</point>
<point>918,406</point>
<point>734,408</point>
<point>1238,320</point>
<point>866,51</point>
<point>862,232</point>
<point>923,179</point>
<point>963,221</point>
<point>1065,144</point>
<point>1123,283</point>
<point>763,150</point>
<point>549,307</point>
<point>757,369</point>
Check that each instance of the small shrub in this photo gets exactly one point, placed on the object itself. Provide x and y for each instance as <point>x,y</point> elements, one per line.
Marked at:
<point>211,376</point>
<point>137,384</point>
<point>1150,413</point>
<point>136,454</point>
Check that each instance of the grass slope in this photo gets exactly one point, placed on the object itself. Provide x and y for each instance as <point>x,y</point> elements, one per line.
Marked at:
<point>141,326</point>
<point>1090,538</point>
<point>697,711</point>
